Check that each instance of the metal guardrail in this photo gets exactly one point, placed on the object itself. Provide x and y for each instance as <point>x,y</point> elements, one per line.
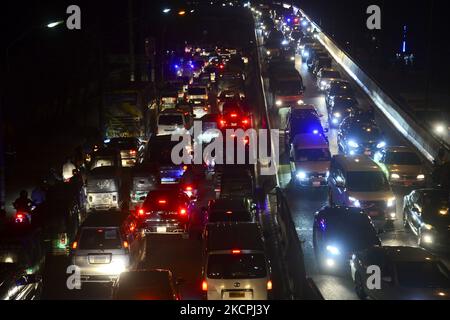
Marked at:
<point>427,144</point>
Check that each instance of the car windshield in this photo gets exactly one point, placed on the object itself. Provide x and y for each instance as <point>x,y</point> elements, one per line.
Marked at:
<point>365,133</point>
<point>99,239</point>
<point>197,91</point>
<point>304,155</point>
<point>331,74</point>
<point>402,158</point>
<point>229,215</point>
<point>341,89</point>
<point>236,266</point>
<point>367,181</point>
<point>352,231</point>
<point>427,274</point>
<point>170,119</point>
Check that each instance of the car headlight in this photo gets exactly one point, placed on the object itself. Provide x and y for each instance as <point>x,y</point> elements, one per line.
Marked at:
<point>306,54</point>
<point>391,202</point>
<point>268,52</point>
<point>301,175</point>
<point>279,103</point>
<point>292,58</point>
<point>381,145</point>
<point>337,115</point>
<point>355,201</point>
<point>333,250</point>
<point>353,144</point>
<point>323,83</point>
<point>395,176</point>
<point>421,177</point>
<point>300,102</point>
<point>427,238</point>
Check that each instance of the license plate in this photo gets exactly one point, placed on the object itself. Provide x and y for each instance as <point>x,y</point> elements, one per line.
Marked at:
<point>161,229</point>
<point>99,259</point>
<point>316,183</point>
<point>234,124</point>
<point>237,294</point>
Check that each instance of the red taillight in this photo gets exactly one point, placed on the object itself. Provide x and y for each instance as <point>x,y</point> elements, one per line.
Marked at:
<point>162,201</point>
<point>133,152</point>
<point>233,115</point>
<point>245,121</point>
<point>188,188</point>
<point>185,168</point>
<point>74,245</point>
<point>269,285</point>
<point>183,211</point>
<point>221,66</point>
<point>204,285</point>
<point>125,244</point>
<point>141,212</point>
<point>19,216</point>
<point>236,251</point>
<point>223,123</point>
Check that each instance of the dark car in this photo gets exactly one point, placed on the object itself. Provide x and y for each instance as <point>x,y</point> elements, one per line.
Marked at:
<point>340,108</point>
<point>338,88</point>
<point>322,62</point>
<point>338,232</point>
<point>131,150</point>
<point>303,124</point>
<point>426,213</point>
<point>229,210</point>
<point>155,284</point>
<point>16,284</point>
<point>166,211</point>
<point>357,136</point>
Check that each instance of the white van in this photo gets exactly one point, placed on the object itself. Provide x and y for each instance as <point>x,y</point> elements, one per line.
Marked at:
<point>235,264</point>
<point>357,181</point>
<point>310,160</point>
<point>171,121</point>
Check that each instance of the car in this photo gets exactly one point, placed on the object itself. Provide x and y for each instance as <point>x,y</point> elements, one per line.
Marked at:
<point>358,136</point>
<point>357,181</point>
<point>172,121</point>
<point>315,55</point>
<point>235,265</point>
<point>302,124</point>
<point>340,108</point>
<point>403,167</point>
<point>105,157</point>
<point>157,284</point>
<point>228,210</point>
<point>16,284</point>
<point>166,211</point>
<point>321,62</point>
<point>227,96</point>
<point>130,149</point>
<point>106,245</point>
<point>103,185</point>
<point>309,157</point>
<point>426,213</point>
<point>198,96</point>
<point>338,232</point>
<point>407,273</point>
<point>325,76</point>
<point>338,88</point>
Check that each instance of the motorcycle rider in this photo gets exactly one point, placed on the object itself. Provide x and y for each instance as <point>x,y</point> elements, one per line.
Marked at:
<point>23,203</point>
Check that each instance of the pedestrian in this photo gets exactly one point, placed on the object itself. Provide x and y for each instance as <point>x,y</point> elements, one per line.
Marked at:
<point>67,170</point>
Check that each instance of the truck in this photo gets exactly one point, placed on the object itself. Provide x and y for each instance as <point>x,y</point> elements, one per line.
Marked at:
<point>125,111</point>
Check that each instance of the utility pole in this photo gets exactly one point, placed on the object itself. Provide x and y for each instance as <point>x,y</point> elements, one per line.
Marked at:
<point>131,41</point>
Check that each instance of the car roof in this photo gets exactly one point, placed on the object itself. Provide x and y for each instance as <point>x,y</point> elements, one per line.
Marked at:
<point>310,140</point>
<point>404,254</point>
<point>105,219</point>
<point>341,211</point>
<point>228,204</point>
<point>234,235</point>
<point>356,163</point>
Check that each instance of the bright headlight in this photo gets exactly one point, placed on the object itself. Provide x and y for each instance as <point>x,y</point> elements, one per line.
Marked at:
<point>421,177</point>
<point>427,238</point>
<point>391,202</point>
<point>279,103</point>
<point>382,144</point>
<point>353,144</point>
<point>323,83</point>
<point>333,250</point>
<point>337,114</point>
<point>395,176</point>
<point>300,102</point>
<point>355,202</point>
<point>427,226</point>
<point>268,52</point>
<point>292,58</point>
<point>301,175</point>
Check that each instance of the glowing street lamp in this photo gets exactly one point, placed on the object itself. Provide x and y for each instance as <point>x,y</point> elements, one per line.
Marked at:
<point>166,10</point>
<point>181,12</point>
<point>54,24</point>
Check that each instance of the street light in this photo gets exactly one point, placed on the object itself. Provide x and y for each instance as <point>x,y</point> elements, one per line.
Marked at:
<point>166,10</point>
<point>440,129</point>
<point>181,13</point>
<point>54,24</point>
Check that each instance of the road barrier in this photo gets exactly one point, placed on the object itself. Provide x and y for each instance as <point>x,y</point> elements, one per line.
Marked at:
<point>414,131</point>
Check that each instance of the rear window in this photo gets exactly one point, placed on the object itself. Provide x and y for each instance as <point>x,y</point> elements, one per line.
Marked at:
<point>100,239</point>
<point>103,162</point>
<point>236,266</point>
<point>331,74</point>
<point>303,155</point>
<point>170,119</point>
<point>229,215</point>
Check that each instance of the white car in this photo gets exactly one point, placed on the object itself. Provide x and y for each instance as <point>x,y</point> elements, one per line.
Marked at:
<point>406,273</point>
<point>171,121</point>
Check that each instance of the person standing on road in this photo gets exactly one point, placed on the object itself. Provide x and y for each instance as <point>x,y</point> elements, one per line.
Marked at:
<point>67,170</point>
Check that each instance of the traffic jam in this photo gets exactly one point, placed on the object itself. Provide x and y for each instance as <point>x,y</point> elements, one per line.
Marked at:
<point>124,221</point>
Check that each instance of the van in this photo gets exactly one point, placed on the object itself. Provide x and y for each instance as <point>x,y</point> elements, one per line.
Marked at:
<point>310,158</point>
<point>172,121</point>
<point>107,245</point>
<point>357,181</point>
<point>235,264</point>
